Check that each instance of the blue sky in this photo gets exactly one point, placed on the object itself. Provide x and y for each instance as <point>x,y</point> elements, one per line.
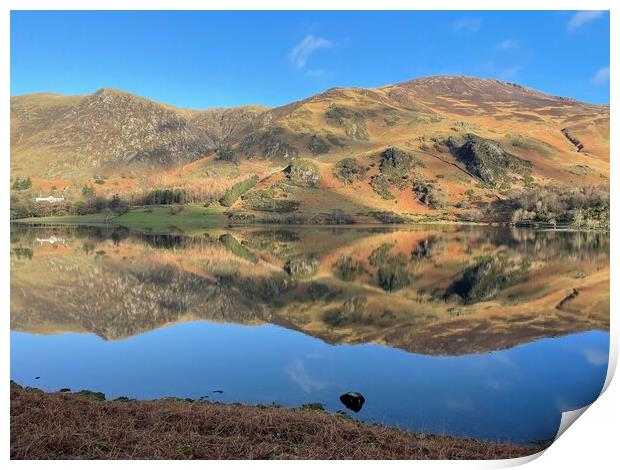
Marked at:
<point>208,59</point>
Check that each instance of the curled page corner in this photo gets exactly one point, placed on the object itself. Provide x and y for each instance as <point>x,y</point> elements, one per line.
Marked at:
<point>611,365</point>
<point>568,418</point>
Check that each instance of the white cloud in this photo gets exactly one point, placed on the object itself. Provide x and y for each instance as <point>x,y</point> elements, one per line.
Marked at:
<point>502,358</point>
<point>582,17</point>
<point>596,357</point>
<point>459,403</point>
<point>302,51</point>
<point>467,25</point>
<point>507,44</point>
<point>601,76</point>
<point>498,384</point>
<point>315,73</point>
<point>298,374</point>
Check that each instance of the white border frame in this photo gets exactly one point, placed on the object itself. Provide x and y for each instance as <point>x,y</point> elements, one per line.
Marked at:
<point>591,442</point>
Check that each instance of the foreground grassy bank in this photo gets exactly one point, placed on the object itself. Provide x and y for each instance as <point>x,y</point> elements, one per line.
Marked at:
<point>72,425</point>
<point>188,216</point>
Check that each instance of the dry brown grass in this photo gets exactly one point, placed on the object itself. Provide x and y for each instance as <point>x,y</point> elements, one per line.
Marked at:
<point>68,426</point>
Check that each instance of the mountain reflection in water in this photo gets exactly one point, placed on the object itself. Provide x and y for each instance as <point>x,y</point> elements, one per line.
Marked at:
<point>429,290</point>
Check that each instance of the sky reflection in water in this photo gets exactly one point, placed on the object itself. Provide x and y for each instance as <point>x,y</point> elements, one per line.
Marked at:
<point>516,394</point>
<point>399,315</point>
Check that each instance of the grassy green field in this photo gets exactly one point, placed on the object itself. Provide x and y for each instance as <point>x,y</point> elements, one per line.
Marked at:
<point>186,217</point>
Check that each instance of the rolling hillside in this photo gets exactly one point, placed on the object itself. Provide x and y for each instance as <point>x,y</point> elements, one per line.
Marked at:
<point>438,146</point>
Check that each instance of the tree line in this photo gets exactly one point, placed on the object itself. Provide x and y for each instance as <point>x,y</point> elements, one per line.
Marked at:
<point>580,207</point>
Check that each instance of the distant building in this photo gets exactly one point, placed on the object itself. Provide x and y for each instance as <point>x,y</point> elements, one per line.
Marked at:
<point>50,199</point>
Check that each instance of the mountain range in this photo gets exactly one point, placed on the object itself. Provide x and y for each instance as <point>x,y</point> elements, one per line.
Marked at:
<point>417,147</point>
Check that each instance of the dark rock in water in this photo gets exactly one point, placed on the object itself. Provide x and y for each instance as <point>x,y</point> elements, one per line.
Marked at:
<point>217,391</point>
<point>37,378</point>
<point>64,390</point>
<point>352,400</point>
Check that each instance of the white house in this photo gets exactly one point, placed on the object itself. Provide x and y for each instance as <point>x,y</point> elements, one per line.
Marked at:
<point>50,199</point>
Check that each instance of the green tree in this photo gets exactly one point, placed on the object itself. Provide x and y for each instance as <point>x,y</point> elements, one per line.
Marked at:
<point>107,215</point>
<point>22,184</point>
<point>117,205</point>
<point>238,190</point>
<point>225,153</point>
<point>88,191</point>
<point>348,171</point>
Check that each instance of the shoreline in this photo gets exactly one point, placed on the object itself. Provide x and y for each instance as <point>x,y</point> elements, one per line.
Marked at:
<point>155,222</point>
<point>83,425</point>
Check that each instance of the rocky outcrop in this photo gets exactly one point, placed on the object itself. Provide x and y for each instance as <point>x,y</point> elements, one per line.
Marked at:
<point>226,125</point>
<point>352,122</point>
<point>573,140</point>
<point>272,144</point>
<point>487,159</point>
<point>303,173</point>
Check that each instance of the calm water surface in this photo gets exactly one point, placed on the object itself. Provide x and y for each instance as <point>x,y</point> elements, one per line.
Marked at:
<point>458,330</point>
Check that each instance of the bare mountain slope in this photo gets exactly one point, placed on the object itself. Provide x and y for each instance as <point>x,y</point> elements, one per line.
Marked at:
<point>108,129</point>
<point>466,138</point>
<point>224,125</point>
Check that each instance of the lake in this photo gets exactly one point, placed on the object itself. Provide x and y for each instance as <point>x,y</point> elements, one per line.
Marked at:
<point>475,331</point>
